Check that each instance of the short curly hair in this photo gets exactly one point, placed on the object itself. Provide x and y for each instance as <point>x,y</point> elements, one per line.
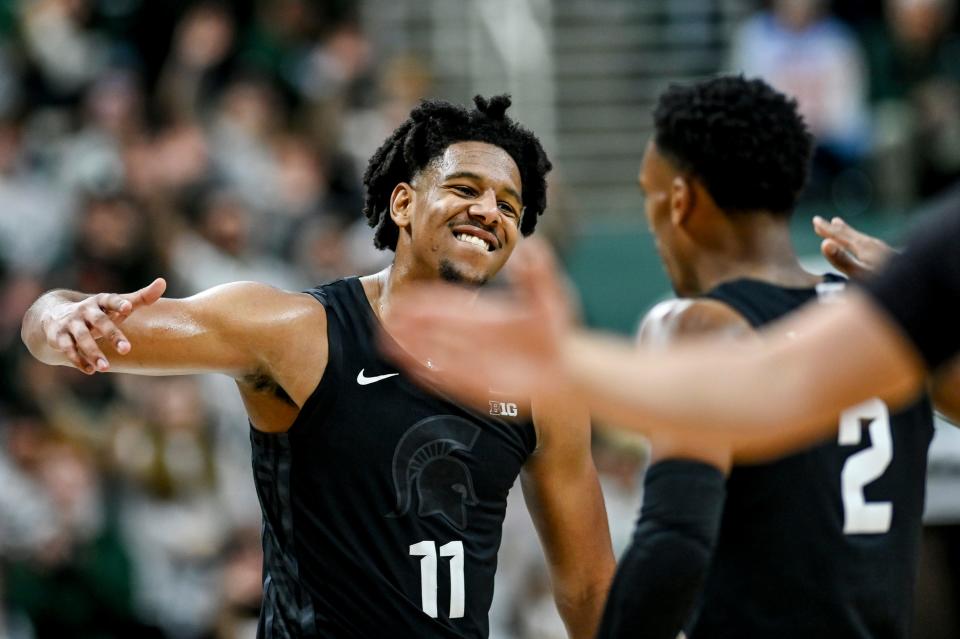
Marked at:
<point>744,140</point>
<point>433,126</point>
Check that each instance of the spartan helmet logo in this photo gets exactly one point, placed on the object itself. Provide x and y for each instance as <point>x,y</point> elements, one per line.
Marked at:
<point>422,460</point>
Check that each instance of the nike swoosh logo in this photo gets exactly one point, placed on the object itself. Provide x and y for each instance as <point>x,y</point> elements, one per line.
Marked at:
<point>363,380</point>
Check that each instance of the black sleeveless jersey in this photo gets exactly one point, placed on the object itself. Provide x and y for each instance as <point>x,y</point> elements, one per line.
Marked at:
<point>383,504</point>
<point>823,543</point>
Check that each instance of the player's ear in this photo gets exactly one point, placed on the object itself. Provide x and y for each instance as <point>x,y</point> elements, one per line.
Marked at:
<point>681,200</point>
<point>401,204</point>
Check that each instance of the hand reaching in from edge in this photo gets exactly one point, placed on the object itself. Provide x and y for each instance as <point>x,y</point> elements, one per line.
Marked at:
<point>855,254</point>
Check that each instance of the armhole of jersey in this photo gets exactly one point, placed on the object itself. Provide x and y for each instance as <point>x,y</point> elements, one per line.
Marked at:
<point>324,394</point>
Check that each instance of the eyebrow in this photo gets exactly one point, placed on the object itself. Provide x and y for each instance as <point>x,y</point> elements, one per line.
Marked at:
<point>474,176</point>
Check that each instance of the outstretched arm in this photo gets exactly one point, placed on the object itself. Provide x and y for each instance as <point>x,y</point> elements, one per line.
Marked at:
<point>782,392</point>
<point>779,393</point>
<point>62,327</point>
<point>563,495</point>
<point>245,330</point>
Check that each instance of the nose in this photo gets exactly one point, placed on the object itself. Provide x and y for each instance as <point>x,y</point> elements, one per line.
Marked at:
<point>485,208</point>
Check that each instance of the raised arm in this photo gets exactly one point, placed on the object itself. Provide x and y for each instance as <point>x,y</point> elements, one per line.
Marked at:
<point>563,494</point>
<point>250,331</point>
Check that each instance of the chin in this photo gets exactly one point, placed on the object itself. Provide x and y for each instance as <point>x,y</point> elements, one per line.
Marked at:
<point>450,272</point>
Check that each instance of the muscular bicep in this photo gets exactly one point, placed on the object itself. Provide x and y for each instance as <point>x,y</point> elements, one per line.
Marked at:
<point>237,329</point>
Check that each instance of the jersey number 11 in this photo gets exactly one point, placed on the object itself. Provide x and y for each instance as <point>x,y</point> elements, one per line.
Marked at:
<point>428,575</point>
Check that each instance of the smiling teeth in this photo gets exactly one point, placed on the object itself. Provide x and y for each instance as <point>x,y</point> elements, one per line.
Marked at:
<point>473,239</point>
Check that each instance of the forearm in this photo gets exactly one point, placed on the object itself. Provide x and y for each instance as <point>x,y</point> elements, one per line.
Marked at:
<point>774,396</point>
<point>648,391</point>
<point>582,610</point>
<point>577,545</point>
<point>662,572</point>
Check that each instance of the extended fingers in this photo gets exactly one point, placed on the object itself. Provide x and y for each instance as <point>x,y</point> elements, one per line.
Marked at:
<point>66,345</point>
<point>838,230</point>
<point>87,348</point>
<point>101,323</point>
<point>842,259</point>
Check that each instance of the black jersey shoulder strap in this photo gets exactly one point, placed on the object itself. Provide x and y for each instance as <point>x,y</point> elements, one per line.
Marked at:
<point>761,302</point>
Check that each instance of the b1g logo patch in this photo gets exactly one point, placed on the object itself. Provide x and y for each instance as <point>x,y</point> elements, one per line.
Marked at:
<point>506,409</point>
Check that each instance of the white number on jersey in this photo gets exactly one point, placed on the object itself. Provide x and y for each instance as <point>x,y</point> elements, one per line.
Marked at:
<point>865,466</point>
<point>428,576</point>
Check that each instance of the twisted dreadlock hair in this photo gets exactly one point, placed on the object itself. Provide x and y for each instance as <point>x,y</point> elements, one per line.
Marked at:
<point>431,128</point>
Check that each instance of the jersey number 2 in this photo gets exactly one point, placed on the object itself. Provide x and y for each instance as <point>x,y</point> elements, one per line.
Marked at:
<point>861,468</point>
<point>428,575</point>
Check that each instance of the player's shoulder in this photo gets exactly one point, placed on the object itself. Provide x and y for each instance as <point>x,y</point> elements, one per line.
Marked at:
<point>676,319</point>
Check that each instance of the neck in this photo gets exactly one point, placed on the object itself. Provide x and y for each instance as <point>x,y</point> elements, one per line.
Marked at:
<point>392,283</point>
<point>755,246</point>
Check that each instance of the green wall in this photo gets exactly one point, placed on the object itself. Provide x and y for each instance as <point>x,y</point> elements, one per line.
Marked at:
<point>619,276</point>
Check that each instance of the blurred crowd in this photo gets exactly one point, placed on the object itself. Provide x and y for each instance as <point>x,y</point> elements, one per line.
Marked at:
<point>218,141</point>
<point>879,86</point>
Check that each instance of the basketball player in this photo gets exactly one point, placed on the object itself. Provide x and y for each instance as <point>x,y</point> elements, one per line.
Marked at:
<point>382,501</point>
<point>823,543</point>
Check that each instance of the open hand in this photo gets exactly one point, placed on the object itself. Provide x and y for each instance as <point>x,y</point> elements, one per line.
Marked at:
<point>466,345</point>
<point>855,254</point>
<point>73,328</point>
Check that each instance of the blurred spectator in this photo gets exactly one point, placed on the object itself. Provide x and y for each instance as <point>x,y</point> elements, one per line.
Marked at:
<point>333,78</point>
<point>915,86</point>
<point>321,251</point>
<point>241,586</point>
<point>246,121</point>
<point>112,117</point>
<point>26,514</point>
<point>112,249</point>
<point>402,82</point>
<point>67,51</point>
<point>77,583</point>
<point>277,42</point>
<point>199,61</point>
<point>798,48</point>
<point>172,517</point>
<point>219,249</point>
<point>34,214</point>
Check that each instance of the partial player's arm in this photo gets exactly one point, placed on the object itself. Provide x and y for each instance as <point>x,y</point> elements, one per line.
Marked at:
<point>780,393</point>
<point>663,570</point>
<point>675,322</point>
<point>562,491</point>
<point>660,575</point>
<point>859,256</point>
<point>243,329</point>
